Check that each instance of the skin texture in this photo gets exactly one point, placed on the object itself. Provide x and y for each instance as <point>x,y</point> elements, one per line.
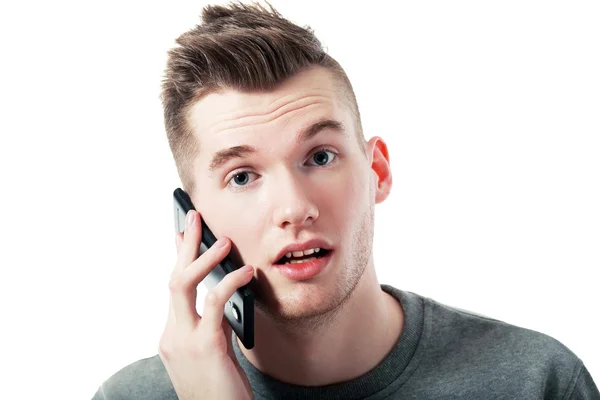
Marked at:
<point>282,194</point>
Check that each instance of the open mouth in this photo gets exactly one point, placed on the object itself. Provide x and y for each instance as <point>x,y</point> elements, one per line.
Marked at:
<point>298,257</point>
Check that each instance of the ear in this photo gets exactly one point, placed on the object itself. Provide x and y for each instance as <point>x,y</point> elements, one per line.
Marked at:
<point>379,158</point>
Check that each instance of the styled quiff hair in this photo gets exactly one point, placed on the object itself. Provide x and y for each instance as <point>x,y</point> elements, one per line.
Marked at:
<point>242,47</point>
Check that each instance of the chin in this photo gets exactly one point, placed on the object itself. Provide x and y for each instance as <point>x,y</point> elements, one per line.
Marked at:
<point>302,302</point>
<point>307,300</point>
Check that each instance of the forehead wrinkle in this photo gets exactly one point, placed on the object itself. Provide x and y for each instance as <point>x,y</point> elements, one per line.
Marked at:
<point>235,121</point>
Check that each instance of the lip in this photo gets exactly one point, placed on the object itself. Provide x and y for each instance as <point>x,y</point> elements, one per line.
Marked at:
<point>309,244</point>
<point>304,270</point>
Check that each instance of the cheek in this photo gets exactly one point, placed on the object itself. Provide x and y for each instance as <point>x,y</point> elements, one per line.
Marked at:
<point>341,197</point>
<point>241,222</point>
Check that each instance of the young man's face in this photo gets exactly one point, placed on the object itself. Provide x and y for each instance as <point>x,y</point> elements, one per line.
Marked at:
<point>265,182</point>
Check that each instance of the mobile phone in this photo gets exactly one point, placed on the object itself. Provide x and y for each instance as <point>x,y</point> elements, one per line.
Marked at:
<point>239,310</point>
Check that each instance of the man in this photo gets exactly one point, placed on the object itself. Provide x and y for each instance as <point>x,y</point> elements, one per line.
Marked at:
<point>266,134</point>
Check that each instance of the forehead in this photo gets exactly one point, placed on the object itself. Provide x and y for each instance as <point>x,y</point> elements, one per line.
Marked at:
<point>226,117</point>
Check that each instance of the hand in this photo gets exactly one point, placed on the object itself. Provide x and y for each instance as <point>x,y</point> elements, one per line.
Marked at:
<point>197,351</point>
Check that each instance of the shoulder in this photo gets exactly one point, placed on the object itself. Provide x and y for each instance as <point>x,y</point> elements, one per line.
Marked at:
<point>498,335</point>
<point>144,379</point>
<point>496,347</point>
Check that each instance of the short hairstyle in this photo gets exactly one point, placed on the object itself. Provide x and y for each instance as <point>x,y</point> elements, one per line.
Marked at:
<point>242,47</point>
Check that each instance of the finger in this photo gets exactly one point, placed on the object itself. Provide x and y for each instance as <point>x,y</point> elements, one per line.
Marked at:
<point>201,267</point>
<point>178,240</point>
<point>214,302</point>
<point>183,296</point>
<point>184,283</point>
<point>189,248</point>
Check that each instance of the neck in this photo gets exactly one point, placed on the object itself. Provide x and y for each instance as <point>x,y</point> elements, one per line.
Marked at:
<point>359,336</point>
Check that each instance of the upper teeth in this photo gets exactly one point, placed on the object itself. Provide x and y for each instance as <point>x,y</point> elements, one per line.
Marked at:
<point>303,253</point>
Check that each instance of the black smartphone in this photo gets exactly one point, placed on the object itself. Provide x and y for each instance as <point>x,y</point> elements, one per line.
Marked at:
<point>239,310</point>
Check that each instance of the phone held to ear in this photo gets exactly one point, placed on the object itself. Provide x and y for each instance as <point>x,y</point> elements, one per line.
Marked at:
<point>239,310</point>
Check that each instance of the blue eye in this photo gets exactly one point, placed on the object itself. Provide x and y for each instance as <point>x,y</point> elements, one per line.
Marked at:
<point>323,157</point>
<point>240,179</point>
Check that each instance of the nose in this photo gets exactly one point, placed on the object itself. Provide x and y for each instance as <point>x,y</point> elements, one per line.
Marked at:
<point>293,205</point>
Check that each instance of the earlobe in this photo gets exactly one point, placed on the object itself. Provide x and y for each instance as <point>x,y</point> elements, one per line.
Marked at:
<point>380,164</point>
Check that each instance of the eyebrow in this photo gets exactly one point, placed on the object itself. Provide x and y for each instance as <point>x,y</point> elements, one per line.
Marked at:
<point>223,156</point>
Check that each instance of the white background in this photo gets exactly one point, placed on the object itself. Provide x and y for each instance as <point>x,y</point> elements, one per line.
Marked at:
<point>490,110</point>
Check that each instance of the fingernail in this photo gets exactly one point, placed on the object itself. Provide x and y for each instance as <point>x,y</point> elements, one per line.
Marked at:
<point>247,269</point>
<point>220,243</point>
<point>190,219</point>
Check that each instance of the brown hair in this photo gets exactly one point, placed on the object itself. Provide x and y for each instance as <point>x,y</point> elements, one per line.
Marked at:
<point>241,47</point>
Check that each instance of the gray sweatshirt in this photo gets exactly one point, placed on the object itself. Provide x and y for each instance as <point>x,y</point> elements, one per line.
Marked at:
<point>442,353</point>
